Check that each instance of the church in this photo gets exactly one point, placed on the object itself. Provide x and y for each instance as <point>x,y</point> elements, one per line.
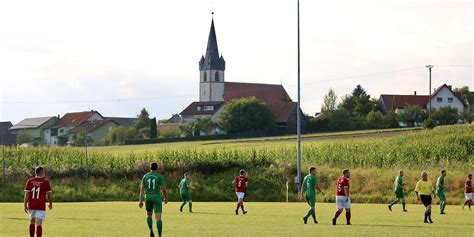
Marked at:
<point>215,92</point>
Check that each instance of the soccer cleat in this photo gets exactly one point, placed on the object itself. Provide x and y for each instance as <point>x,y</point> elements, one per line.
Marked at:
<point>426,221</point>
<point>348,223</point>
<point>315,221</point>
<point>442,213</point>
<point>431,222</point>
<point>237,211</point>
<point>405,210</point>
<point>389,207</point>
<point>305,219</point>
<point>190,211</point>
<point>181,209</point>
<point>334,221</point>
<point>152,234</point>
<point>244,212</point>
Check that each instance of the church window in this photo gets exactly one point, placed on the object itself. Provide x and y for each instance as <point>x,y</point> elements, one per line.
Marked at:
<point>204,76</point>
<point>217,76</point>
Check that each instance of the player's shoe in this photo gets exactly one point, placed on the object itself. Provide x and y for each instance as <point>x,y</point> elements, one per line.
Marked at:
<point>315,221</point>
<point>237,211</point>
<point>181,209</point>
<point>305,220</point>
<point>334,221</point>
<point>405,210</point>
<point>190,211</point>
<point>431,222</point>
<point>426,221</point>
<point>348,223</point>
<point>244,212</point>
<point>152,234</point>
<point>389,207</point>
<point>442,213</point>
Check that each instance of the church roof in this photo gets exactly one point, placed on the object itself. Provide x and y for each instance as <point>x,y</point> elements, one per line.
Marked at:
<point>212,61</point>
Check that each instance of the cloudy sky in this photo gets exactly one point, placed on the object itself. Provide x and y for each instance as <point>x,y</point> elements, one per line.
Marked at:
<point>119,56</point>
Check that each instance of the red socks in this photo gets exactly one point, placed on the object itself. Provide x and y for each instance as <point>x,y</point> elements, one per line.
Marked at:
<point>348,217</point>
<point>32,230</point>
<point>242,207</point>
<point>39,231</point>
<point>337,214</point>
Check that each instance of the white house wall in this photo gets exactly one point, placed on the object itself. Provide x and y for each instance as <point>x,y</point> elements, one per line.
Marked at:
<point>445,93</point>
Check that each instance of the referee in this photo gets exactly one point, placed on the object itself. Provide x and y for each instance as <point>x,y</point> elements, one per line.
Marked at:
<point>423,191</point>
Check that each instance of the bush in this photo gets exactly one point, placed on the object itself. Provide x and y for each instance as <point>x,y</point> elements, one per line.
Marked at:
<point>429,123</point>
<point>445,115</point>
<point>375,120</point>
<point>246,115</point>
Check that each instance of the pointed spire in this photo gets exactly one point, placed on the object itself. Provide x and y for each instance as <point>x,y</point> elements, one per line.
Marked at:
<point>212,60</point>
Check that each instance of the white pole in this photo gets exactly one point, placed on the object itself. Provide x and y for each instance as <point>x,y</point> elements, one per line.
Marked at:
<point>298,114</point>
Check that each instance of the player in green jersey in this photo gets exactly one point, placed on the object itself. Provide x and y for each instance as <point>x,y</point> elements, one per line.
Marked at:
<point>151,187</point>
<point>184,190</point>
<point>399,191</point>
<point>440,192</point>
<point>308,192</point>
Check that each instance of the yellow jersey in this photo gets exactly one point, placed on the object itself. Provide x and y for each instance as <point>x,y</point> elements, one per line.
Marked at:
<point>424,187</point>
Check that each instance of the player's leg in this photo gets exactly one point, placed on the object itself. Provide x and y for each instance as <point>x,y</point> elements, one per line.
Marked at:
<point>428,208</point>
<point>190,201</point>
<point>340,208</point>
<point>404,204</point>
<point>242,205</point>
<point>442,205</point>
<point>183,198</point>
<point>393,203</point>
<point>149,218</point>
<point>32,224</point>
<point>238,204</point>
<point>158,209</point>
<point>347,206</point>
<point>39,226</point>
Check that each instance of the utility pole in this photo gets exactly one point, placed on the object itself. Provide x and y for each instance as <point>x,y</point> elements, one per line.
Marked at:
<point>429,104</point>
<point>298,113</point>
<point>85,162</point>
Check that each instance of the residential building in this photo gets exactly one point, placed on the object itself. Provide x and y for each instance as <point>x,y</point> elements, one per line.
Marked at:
<point>6,137</point>
<point>121,121</point>
<point>96,129</point>
<point>58,134</point>
<point>36,128</point>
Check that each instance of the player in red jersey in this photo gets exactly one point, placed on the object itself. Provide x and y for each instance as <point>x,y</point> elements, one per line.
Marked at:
<point>468,191</point>
<point>343,199</point>
<point>240,183</point>
<point>37,191</point>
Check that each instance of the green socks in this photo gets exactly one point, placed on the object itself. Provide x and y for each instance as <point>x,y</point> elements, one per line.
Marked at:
<point>403,204</point>
<point>394,202</point>
<point>313,214</point>
<point>442,206</point>
<point>190,206</point>
<point>310,213</point>
<point>149,221</point>
<point>159,224</point>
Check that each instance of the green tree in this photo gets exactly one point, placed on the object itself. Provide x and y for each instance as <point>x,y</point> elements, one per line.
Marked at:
<point>465,95</point>
<point>204,125</point>
<point>375,119</point>
<point>246,115</point>
<point>118,135</point>
<point>445,115</point>
<point>23,138</point>
<point>358,104</point>
<point>329,103</point>
<point>391,120</point>
<point>340,120</point>
<point>153,128</point>
<point>411,115</point>
<point>169,133</point>
<point>142,124</point>
<point>81,138</point>
<point>187,128</point>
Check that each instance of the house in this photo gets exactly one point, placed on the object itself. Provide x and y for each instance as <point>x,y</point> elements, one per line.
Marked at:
<point>215,92</point>
<point>6,137</point>
<point>443,96</point>
<point>36,128</point>
<point>125,122</point>
<point>96,129</point>
<point>58,134</point>
<point>471,106</point>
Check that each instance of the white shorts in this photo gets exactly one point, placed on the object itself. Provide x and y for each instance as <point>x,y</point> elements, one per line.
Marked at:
<point>39,214</point>
<point>341,202</point>
<point>468,196</point>
<point>240,195</point>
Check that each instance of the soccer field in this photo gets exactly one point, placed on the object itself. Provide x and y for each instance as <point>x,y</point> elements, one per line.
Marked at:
<point>219,219</point>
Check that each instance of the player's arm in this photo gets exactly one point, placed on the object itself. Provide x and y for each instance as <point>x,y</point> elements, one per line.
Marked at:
<point>165,194</point>
<point>140,196</point>
<point>433,192</point>
<point>416,192</point>
<point>346,191</point>
<point>49,198</point>
<point>25,200</point>
<point>319,189</point>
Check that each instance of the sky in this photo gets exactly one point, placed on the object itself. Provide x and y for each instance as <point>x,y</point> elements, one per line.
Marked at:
<point>117,57</point>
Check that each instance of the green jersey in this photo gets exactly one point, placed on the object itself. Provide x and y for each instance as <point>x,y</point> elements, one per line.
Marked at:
<point>309,183</point>
<point>183,186</point>
<point>152,183</point>
<point>440,184</point>
<point>398,184</point>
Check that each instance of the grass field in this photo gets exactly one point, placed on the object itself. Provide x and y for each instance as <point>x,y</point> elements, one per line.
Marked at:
<point>217,219</point>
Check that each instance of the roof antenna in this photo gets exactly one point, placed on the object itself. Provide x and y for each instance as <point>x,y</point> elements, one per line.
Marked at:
<point>212,15</point>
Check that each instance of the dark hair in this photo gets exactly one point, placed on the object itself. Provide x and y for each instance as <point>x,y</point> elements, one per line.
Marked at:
<point>311,168</point>
<point>345,171</point>
<point>38,170</point>
<point>443,170</point>
<point>469,175</point>
<point>154,166</point>
<point>242,172</point>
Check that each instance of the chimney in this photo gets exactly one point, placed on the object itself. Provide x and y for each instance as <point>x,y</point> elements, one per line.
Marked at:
<point>415,93</point>
<point>450,87</point>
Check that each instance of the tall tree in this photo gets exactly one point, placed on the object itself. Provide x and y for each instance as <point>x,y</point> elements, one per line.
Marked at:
<point>205,125</point>
<point>411,115</point>
<point>142,124</point>
<point>465,95</point>
<point>329,103</point>
<point>153,128</point>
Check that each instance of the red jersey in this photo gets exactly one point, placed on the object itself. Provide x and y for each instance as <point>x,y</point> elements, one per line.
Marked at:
<point>468,187</point>
<point>240,183</point>
<point>340,184</point>
<point>37,188</point>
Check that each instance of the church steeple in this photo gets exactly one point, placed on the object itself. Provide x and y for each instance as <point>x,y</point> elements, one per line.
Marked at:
<point>212,61</point>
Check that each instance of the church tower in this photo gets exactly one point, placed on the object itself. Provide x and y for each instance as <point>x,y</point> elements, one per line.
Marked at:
<point>211,69</point>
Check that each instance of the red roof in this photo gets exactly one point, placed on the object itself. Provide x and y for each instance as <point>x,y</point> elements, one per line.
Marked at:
<point>74,119</point>
<point>400,101</point>
<point>90,126</point>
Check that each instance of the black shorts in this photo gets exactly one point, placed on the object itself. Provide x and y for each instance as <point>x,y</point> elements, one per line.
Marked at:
<point>426,200</point>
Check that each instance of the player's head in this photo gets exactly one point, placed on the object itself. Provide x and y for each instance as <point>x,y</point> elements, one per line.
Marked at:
<point>312,170</point>
<point>401,173</point>
<point>469,176</point>
<point>242,172</point>
<point>154,166</point>
<point>424,175</point>
<point>346,173</point>
<point>39,171</point>
<point>186,174</point>
<point>443,172</point>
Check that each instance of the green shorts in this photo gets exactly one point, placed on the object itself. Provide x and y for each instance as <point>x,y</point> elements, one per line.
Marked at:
<point>186,197</point>
<point>154,203</point>
<point>399,194</point>
<point>311,200</point>
<point>441,195</point>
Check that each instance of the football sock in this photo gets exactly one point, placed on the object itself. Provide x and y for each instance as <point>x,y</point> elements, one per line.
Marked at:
<point>149,221</point>
<point>182,205</point>
<point>190,206</point>
<point>39,231</point>
<point>238,205</point>
<point>242,206</point>
<point>426,216</point>
<point>394,202</point>
<point>403,204</point>
<point>313,214</point>
<point>348,216</point>
<point>32,230</point>
<point>159,224</point>
<point>337,214</point>
<point>309,214</point>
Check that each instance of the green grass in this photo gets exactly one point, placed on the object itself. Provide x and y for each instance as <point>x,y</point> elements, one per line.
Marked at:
<point>217,219</point>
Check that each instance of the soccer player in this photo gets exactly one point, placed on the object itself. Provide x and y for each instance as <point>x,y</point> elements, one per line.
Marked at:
<point>343,199</point>
<point>468,191</point>
<point>308,191</point>
<point>240,184</point>
<point>423,190</point>
<point>399,191</point>
<point>37,192</point>
<point>151,187</point>
<point>440,191</point>
<point>184,190</point>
